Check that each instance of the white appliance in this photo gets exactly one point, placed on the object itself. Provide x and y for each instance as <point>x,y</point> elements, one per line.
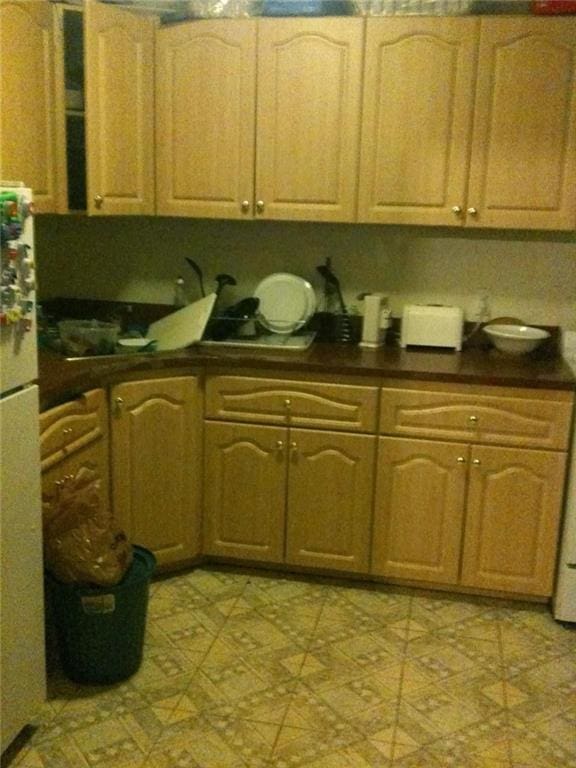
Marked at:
<point>22,665</point>
<point>564,603</point>
<point>375,321</point>
<point>432,325</point>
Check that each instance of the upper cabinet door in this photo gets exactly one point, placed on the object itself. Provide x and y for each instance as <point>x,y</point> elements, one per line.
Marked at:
<point>309,78</point>
<point>119,86</point>
<point>523,170</point>
<point>206,89</point>
<point>417,109</point>
<point>28,142</point>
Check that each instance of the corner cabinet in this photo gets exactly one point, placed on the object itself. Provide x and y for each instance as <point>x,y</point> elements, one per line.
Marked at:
<point>277,135</point>
<point>95,154</point>
<point>156,464</point>
<point>29,149</point>
<point>470,486</point>
<point>470,122</point>
<point>277,492</point>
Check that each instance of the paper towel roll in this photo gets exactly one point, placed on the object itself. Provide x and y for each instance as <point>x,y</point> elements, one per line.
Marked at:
<point>372,334</point>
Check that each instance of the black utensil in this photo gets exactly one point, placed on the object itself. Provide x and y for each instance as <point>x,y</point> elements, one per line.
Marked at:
<point>344,328</point>
<point>199,275</point>
<point>222,280</point>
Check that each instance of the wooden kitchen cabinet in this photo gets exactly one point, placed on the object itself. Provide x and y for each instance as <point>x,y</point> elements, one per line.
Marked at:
<point>470,121</point>
<point>119,87</point>
<point>156,464</point>
<point>29,150</point>
<point>329,499</point>
<point>483,513</point>
<point>95,153</point>
<point>306,479</point>
<point>245,487</point>
<point>289,152</point>
<point>73,436</point>
<point>419,509</point>
<point>417,112</point>
<point>206,98</point>
<point>308,118</point>
<point>261,481</point>
<point>512,519</point>
<point>523,159</point>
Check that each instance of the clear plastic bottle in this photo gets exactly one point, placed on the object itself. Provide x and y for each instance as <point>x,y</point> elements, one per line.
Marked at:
<point>180,299</point>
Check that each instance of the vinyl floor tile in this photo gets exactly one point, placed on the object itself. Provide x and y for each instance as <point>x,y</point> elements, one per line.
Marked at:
<point>247,669</point>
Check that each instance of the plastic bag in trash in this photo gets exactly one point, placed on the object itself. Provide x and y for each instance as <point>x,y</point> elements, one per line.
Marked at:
<point>82,543</point>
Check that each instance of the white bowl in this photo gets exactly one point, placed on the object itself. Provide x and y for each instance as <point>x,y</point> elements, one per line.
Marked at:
<point>134,344</point>
<point>516,339</point>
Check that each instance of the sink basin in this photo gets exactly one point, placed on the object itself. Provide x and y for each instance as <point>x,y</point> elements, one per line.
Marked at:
<point>516,339</point>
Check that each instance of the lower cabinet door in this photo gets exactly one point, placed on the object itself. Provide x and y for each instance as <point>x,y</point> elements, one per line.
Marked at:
<point>330,477</point>
<point>156,464</point>
<point>512,520</point>
<point>93,457</point>
<point>244,491</point>
<point>418,515</point>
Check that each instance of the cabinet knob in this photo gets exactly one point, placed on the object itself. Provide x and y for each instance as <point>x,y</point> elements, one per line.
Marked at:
<point>461,460</point>
<point>293,447</point>
<point>472,211</point>
<point>260,206</point>
<point>279,445</point>
<point>476,462</point>
<point>67,431</point>
<point>473,419</point>
<point>457,210</point>
<point>98,200</point>
<point>288,403</point>
<point>118,404</point>
<point>245,206</point>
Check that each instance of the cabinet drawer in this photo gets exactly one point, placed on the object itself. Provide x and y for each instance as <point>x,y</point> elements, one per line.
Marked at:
<point>476,417</point>
<point>71,426</point>
<point>299,403</point>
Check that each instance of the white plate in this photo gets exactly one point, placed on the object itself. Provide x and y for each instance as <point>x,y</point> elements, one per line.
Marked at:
<point>287,302</point>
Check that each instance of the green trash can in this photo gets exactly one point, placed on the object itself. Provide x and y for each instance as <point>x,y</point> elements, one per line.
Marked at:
<point>100,630</point>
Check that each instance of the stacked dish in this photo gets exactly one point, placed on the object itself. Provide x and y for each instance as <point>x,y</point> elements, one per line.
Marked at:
<point>287,302</point>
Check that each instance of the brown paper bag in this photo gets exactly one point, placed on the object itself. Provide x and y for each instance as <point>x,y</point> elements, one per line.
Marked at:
<point>83,544</point>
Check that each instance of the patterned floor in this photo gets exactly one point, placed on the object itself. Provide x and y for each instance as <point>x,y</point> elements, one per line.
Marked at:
<point>254,670</point>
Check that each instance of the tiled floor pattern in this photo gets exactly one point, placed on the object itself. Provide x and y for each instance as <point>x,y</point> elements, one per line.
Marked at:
<point>254,670</point>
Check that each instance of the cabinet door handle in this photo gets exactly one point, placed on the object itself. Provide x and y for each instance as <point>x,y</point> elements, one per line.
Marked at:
<point>288,403</point>
<point>473,419</point>
<point>476,462</point>
<point>260,206</point>
<point>472,211</point>
<point>245,206</point>
<point>98,200</point>
<point>67,431</point>
<point>461,460</point>
<point>279,446</point>
<point>457,210</point>
<point>293,447</point>
<point>118,405</point>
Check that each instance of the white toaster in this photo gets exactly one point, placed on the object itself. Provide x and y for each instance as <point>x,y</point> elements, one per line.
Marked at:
<point>432,325</point>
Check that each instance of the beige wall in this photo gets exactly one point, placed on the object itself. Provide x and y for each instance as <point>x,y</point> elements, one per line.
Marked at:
<point>528,275</point>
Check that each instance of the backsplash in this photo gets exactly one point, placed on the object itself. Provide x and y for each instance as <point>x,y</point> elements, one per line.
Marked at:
<point>529,275</point>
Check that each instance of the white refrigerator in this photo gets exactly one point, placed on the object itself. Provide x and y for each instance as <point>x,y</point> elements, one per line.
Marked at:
<point>22,654</point>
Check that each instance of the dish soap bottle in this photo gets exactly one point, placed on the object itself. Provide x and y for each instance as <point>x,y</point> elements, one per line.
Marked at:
<point>180,299</point>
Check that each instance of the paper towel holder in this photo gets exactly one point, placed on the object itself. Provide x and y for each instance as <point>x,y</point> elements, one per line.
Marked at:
<point>376,320</point>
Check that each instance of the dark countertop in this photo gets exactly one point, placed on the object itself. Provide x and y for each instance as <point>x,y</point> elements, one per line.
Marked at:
<point>60,379</point>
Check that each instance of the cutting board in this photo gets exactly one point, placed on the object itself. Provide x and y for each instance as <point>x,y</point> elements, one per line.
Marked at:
<point>183,327</point>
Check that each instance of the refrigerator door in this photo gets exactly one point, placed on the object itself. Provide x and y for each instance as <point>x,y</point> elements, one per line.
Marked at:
<point>18,353</point>
<point>22,666</point>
